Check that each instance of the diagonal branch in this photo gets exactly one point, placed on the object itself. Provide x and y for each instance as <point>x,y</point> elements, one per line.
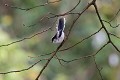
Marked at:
<point>100,19</point>
<point>98,69</point>
<point>79,16</point>
<point>115,47</point>
<point>46,64</point>
<point>42,18</point>
<point>115,16</point>
<point>57,15</point>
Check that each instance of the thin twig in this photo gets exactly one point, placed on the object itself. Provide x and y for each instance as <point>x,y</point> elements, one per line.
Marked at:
<point>54,53</point>
<point>88,56</point>
<point>22,69</point>
<point>49,59</point>
<point>27,9</point>
<point>43,17</point>
<point>98,69</point>
<point>79,16</point>
<point>66,13</point>
<point>59,60</point>
<point>80,41</point>
<point>26,37</point>
<point>114,35</point>
<point>115,15</point>
<point>115,47</point>
<point>36,24</point>
<point>111,24</point>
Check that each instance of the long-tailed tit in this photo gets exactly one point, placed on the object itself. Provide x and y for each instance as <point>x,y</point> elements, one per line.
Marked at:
<point>59,36</point>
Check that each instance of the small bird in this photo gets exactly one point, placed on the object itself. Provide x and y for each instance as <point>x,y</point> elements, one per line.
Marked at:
<point>59,36</point>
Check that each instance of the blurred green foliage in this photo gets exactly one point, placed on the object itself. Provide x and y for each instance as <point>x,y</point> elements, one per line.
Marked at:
<point>14,26</point>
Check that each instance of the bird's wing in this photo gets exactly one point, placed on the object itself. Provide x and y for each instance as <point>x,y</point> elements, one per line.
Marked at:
<point>61,24</point>
<point>60,33</point>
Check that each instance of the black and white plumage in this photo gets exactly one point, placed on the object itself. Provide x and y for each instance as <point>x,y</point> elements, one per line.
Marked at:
<point>59,36</point>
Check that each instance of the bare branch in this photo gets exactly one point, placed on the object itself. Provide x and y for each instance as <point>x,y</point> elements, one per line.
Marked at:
<point>115,47</point>
<point>22,69</point>
<point>79,16</point>
<point>98,69</point>
<point>67,12</point>
<point>115,16</point>
<point>26,37</point>
<point>73,7</point>
<point>92,55</point>
<point>57,15</point>
<point>100,19</point>
<point>114,35</point>
<point>53,54</point>
<point>111,24</point>
<point>80,41</point>
<point>45,16</point>
<point>59,60</point>
<point>84,57</point>
<point>27,9</point>
<point>70,46</point>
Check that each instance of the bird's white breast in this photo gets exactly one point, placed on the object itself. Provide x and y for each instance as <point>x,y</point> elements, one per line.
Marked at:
<point>60,39</point>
